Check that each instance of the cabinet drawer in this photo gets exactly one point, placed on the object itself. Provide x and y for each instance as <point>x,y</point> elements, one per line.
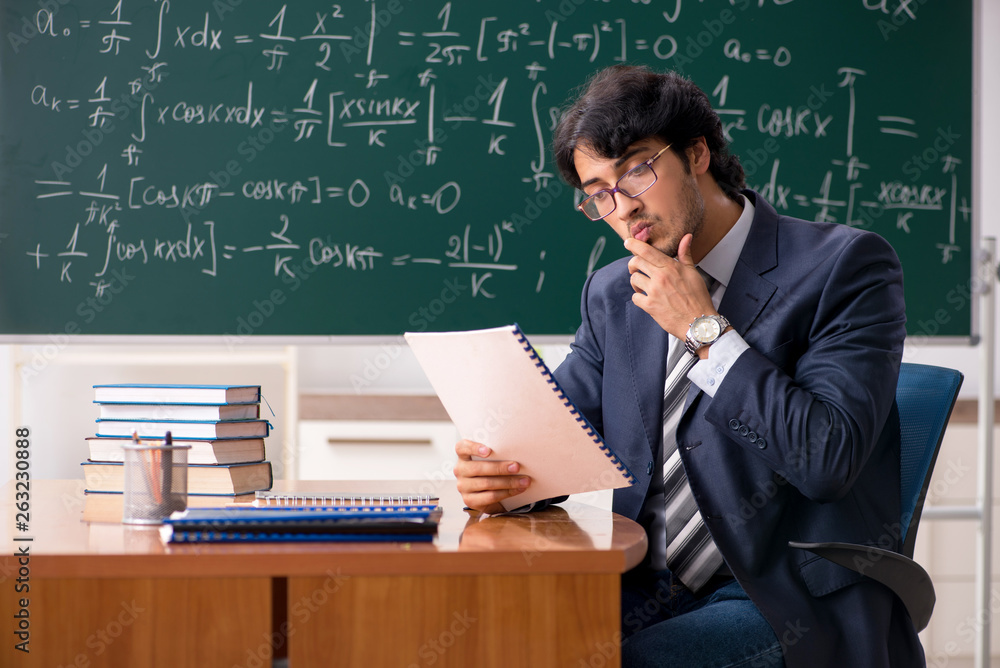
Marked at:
<point>376,450</point>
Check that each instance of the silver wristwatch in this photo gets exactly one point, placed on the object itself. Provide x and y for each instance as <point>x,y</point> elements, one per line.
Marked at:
<point>704,331</point>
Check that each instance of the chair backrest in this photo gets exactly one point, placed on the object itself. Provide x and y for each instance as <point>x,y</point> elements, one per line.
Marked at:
<point>925,396</point>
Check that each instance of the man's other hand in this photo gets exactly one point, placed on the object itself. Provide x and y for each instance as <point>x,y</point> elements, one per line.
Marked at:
<point>484,483</point>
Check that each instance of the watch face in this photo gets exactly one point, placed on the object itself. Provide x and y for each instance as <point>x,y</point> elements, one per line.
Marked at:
<point>706,330</point>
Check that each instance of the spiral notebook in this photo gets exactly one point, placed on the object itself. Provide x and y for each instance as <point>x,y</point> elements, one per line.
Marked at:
<point>249,524</point>
<point>498,392</point>
<point>334,500</point>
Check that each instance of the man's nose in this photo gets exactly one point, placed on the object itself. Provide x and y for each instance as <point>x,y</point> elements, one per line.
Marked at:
<point>626,207</point>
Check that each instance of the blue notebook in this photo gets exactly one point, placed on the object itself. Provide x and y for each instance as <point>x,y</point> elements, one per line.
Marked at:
<point>306,524</point>
<point>185,536</point>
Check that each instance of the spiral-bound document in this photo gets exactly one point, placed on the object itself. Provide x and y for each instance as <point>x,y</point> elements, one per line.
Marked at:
<point>499,392</point>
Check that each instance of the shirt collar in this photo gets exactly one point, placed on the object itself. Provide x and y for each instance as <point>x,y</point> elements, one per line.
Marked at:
<point>720,262</point>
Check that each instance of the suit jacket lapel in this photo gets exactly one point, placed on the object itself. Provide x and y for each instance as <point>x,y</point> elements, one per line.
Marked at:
<point>748,291</point>
<point>647,352</point>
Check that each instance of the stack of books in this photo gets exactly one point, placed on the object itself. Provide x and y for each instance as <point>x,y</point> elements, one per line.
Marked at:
<point>221,423</point>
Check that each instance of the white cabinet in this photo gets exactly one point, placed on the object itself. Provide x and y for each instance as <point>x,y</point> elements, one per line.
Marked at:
<point>376,450</point>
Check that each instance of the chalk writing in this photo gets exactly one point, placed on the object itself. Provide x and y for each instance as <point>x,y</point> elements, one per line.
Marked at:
<point>233,146</point>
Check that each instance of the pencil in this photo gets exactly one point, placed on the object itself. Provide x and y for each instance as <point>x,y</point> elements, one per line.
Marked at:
<point>168,474</point>
<point>149,464</point>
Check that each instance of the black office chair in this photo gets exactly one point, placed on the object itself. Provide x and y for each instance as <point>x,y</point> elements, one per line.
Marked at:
<point>925,396</point>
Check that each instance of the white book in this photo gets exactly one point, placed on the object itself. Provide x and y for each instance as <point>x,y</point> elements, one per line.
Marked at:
<point>216,451</point>
<point>498,392</point>
<point>143,393</point>
<point>183,412</point>
<point>183,430</point>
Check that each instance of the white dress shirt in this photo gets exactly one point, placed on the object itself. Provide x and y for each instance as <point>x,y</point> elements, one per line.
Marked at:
<point>720,262</point>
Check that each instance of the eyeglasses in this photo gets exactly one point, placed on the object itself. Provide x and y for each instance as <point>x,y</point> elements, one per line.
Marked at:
<point>632,183</point>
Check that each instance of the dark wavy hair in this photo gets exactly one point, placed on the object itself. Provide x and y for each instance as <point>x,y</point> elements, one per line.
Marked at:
<point>623,104</point>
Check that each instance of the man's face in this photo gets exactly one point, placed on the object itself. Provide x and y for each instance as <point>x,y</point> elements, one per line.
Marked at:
<point>672,207</point>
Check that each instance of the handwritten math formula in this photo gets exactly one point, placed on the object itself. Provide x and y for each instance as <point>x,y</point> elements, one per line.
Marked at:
<point>359,156</point>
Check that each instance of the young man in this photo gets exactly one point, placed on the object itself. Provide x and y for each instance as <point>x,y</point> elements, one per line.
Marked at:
<point>743,364</point>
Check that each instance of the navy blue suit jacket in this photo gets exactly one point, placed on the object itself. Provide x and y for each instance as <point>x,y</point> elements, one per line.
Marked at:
<point>800,442</point>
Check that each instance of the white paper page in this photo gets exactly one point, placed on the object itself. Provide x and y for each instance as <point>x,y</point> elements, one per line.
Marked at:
<point>500,394</point>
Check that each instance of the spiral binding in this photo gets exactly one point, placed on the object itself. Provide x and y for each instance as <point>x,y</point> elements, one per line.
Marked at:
<point>332,510</point>
<point>344,500</point>
<point>568,403</point>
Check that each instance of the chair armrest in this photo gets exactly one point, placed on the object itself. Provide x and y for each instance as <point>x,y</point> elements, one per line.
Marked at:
<point>905,577</point>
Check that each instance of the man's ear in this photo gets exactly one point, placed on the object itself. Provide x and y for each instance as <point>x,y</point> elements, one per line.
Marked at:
<point>699,157</point>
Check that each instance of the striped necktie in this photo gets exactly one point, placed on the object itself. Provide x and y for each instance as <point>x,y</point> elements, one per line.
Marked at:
<point>691,553</point>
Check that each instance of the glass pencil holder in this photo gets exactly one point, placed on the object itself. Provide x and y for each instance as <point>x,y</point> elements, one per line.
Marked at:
<point>155,482</point>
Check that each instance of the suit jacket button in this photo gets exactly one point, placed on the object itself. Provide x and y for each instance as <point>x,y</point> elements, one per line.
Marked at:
<point>761,443</point>
<point>649,468</point>
<point>744,430</point>
<point>752,437</point>
<point>734,424</point>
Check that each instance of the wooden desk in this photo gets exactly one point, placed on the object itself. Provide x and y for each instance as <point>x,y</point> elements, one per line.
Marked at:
<point>535,590</point>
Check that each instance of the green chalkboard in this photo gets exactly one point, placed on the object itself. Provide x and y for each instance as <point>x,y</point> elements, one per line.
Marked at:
<point>262,168</point>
